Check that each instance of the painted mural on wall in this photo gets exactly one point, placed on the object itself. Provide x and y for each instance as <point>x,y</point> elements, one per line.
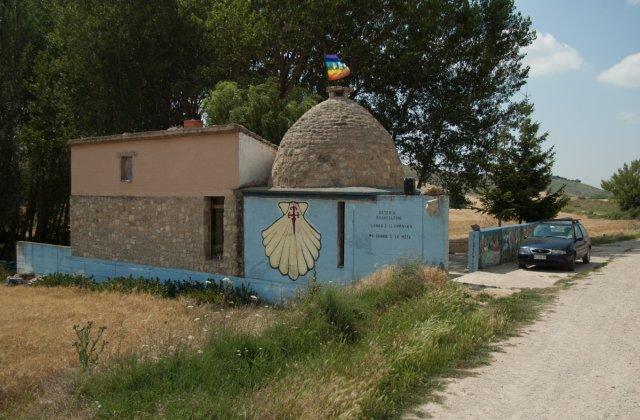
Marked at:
<point>291,244</point>
<point>499,245</point>
<point>490,248</point>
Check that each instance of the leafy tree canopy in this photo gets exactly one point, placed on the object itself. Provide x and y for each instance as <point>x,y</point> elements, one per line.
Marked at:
<point>260,107</point>
<point>438,74</point>
<point>625,187</point>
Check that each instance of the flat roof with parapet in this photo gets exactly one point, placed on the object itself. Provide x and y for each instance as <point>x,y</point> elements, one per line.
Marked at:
<point>172,132</point>
<point>339,191</point>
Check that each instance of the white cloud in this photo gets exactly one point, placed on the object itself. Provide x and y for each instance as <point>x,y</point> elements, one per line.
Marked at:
<point>626,73</point>
<point>629,117</point>
<point>634,2</point>
<point>546,55</point>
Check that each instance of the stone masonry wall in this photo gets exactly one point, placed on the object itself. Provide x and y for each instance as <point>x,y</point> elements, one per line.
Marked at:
<point>337,143</point>
<point>159,231</point>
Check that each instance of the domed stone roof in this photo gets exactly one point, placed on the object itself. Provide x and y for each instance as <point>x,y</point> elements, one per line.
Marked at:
<point>337,143</point>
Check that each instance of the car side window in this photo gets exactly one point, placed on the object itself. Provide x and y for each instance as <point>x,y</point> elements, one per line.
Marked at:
<point>578,231</point>
<point>584,231</point>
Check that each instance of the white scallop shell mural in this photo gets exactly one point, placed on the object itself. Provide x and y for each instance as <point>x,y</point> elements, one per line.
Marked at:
<point>291,244</point>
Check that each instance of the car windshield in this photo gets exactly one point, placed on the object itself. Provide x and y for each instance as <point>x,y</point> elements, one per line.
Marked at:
<point>550,230</point>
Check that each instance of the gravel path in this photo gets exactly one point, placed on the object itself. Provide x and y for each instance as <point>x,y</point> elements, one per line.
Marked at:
<point>580,360</point>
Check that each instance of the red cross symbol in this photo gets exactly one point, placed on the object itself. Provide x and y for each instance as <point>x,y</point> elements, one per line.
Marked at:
<point>293,215</point>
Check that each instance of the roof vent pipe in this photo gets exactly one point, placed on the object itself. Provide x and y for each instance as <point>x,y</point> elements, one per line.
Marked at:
<point>338,91</point>
<point>192,124</point>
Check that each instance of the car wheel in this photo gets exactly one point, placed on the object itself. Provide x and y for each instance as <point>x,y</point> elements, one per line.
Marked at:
<point>587,257</point>
<point>522,265</point>
<point>572,263</point>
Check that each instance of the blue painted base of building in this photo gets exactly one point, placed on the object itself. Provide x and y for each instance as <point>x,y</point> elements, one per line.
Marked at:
<point>49,259</point>
<point>376,231</point>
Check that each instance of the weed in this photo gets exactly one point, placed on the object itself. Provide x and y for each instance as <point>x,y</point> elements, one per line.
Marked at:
<point>615,237</point>
<point>361,352</point>
<point>202,292</point>
<point>89,346</point>
<point>342,311</point>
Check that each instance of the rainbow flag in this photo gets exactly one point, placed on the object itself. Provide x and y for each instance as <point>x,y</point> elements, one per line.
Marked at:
<point>336,69</point>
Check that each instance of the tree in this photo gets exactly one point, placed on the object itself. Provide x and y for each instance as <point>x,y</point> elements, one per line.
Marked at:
<point>438,74</point>
<point>72,68</point>
<point>519,176</point>
<point>21,40</point>
<point>129,65</point>
<point>625,187</point>
<point>258,107</point>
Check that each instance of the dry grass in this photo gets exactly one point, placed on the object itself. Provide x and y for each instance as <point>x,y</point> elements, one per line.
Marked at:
<point>460,221</point>
<point>599,227</point>
<point>426,274</point>
<point>324,390</point>
<point>36,333</point>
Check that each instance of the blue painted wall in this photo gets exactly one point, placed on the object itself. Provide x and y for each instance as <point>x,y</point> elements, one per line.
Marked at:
<point>379,230</point>
<point>48,259</point>
<point>493,246</point>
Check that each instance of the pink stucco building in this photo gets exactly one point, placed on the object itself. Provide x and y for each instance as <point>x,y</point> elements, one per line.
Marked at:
<point>158,197</point>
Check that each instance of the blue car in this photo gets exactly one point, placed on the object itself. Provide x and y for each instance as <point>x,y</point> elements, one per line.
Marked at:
<point>557,243</point>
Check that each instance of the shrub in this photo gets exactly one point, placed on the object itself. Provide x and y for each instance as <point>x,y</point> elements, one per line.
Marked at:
<point>89,346</point>
<point>343,311</point>
<point>209,291</point>
<point>359,352</point>
<point>3,273</point>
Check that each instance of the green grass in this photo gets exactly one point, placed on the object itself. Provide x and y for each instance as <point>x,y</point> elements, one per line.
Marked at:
<point>615,237</point>
<point>201,292</point>
<point>573,188</point>
<point>596,209</point>
<point>356,352</point>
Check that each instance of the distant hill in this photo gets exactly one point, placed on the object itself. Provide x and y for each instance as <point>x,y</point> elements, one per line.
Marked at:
<point>575,188</point>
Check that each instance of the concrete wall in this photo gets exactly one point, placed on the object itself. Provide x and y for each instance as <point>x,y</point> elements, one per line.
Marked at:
<point>493,246</point>
<point>256,159</point>
<point>48,259</point>
<point>379,231</point>
<point>458,246</point>
<point>161,217</point>
<point>188,166</point>
<point>171,164</point>
<point>159,231</point>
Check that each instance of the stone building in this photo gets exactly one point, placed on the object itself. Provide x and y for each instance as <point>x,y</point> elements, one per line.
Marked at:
<point>158,198</point>
<point>215,202</point>
<point>337,201</point>
<point>337,143</point>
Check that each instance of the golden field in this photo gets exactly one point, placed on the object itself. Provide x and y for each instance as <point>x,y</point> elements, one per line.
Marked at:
<point>460,221</point>
<point>37,357</point>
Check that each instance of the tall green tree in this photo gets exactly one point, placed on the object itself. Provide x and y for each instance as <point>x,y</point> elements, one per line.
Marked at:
<point>439,74</point>
<point>45,156</point>
<point>22,37</point>
<point>70,68</point>
<point>518,179</point>
<point>625,187</point>
<point>130,65</point>
<point>258,107</point>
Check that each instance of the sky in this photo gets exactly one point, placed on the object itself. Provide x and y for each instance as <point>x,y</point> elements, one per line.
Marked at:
<point>585,82</point>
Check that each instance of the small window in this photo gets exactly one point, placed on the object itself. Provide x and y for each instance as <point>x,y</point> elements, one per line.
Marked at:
<point>217,227</point>
<point>340,233</point>
<point>126,168</point>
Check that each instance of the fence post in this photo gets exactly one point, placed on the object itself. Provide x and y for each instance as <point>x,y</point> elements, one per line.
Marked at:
<point>473,253</point>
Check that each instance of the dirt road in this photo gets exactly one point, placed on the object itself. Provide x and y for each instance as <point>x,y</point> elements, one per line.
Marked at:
<point>580,360</point>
